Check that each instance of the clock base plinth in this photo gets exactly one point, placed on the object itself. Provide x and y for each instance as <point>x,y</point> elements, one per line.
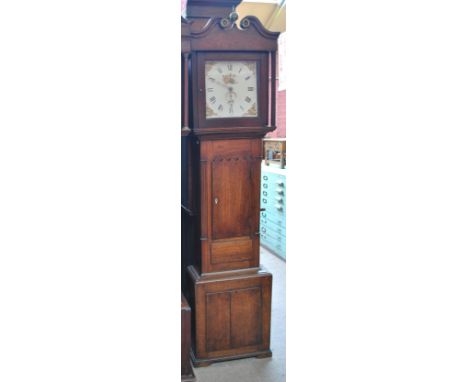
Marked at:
<point>203,362</point>
<point>231,315</point>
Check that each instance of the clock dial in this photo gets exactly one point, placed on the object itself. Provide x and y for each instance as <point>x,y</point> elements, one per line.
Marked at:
<point>231,89</point>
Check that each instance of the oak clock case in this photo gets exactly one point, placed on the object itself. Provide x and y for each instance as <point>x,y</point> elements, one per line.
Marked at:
<point>232,89</point>
<point>228,88</point>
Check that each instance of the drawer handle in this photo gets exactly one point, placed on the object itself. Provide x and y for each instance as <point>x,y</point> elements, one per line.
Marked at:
<point>279,207</point>
<point>265,193</point>
<point>280,183</point>
<point>265,185</point>
<point>279,199</point>
<point>264,201</point>
<point>280,191</point>
<point>263,229</point>
<point>262,210</point>
<point>265,177</point>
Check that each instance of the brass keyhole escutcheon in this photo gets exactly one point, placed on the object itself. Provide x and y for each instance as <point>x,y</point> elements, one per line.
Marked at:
<point>216,201</point>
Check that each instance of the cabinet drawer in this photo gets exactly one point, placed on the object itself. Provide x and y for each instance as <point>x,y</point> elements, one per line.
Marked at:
<point>273,181</point>
<point>272,203</point>
<point>280,181</point>
<point>279,199</point>
<point>266,240</point>
<point>280,191</point>
<point>276,228</point>
<point>264,193</point>
<point>276,248</point>
<point>275,209</point>
<point>269,177</point>
<point>270,189</point>
<point>273,187</point>
<point>272,229</point>
<point>276,240</point>
<point>278,202</point>
<point>273,220</point>
<point>276,237</point>
<point>274,234</point>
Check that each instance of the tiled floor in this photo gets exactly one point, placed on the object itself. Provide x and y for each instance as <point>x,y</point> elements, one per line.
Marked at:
<point>253,369</point>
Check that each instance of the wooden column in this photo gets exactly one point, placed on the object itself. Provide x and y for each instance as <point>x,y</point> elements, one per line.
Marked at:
<point>185,95</point>
<point>273,89</point>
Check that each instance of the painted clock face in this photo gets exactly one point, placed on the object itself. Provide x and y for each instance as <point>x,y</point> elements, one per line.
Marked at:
<point>231,89</point>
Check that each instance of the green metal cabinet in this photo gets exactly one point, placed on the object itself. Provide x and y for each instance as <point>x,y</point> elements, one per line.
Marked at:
<point>273,210</point>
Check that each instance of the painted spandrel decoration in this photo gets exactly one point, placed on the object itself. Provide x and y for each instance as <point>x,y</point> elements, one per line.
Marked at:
<point>231,89</point>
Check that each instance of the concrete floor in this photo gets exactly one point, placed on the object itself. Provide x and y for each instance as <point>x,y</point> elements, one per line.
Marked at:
<point>253,369</point>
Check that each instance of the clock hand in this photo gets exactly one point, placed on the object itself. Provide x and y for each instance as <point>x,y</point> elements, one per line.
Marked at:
<point>220,83</point>
<point>231,95</point>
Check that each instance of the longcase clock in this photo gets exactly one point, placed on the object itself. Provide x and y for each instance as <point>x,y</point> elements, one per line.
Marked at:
<point>230,86</point>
